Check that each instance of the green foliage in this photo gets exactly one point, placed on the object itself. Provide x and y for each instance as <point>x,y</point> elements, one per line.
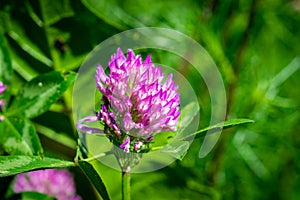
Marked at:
<point>31,196</point>
<point>255,46</point>
<point>187,115</point>
<point>217,127</point>
<point>112,14</point>
<point>176,149</point>
<point>6,69</point>
<point>178,146</point>
<point>34,196</point>
<point>89,170</point>
<point>20,137</point>
<point>11,165</point>
<point>36,96</point>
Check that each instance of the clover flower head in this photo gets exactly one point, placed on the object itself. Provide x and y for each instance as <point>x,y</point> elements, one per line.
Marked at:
<point>137,102</point>
<point>58,183</point>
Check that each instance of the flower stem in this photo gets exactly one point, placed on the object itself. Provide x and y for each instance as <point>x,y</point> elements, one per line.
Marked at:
<point>125,185</point>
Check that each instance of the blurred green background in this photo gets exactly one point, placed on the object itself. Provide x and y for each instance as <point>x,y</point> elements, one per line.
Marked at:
<point>256,46</point>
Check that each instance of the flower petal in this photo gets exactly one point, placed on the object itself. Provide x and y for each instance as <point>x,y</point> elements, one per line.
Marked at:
<point>86,129</point>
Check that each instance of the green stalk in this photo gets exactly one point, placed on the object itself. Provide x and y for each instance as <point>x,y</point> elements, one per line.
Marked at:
<point>125,185</point>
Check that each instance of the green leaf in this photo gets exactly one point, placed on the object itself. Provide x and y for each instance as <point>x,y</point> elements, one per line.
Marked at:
<point>28,195</point>
<point>39,94</point>
<point>177,149</point>
<point>218,126</point>
<point>95,178</point>
<point>112,13</point>
<point>35,196</point>
<point>162,139</point>
<point>62,138</point>
<point>19,137</point>
<point>11,165</point>
<point>188,113</point>
<point>282,77</point>
<point>22,67</point>
<point>17,34</point>
<point>5,62</point>
<point>5,68</point>
<point>33,14</point>
<point>53,11</point>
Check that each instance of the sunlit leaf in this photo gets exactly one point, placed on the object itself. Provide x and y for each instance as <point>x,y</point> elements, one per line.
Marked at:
<point>162,139</point>
<point>11,165</point>
<point>217,127</point>
<point>187,115</point>
<point>176,149</point>
<point>39,94</point>
<point>19,137</point>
